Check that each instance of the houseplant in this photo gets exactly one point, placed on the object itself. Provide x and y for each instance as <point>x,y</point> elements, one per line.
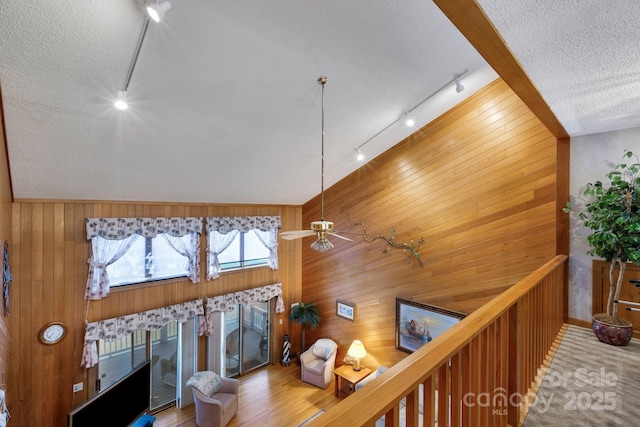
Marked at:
<point>612,213</point>
<point>307,315</point>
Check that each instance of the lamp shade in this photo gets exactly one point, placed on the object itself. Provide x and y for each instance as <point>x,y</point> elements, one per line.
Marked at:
<point>357,350</point>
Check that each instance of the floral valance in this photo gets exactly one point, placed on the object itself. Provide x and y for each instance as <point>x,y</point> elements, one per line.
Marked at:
<point>116,328</point>
<point>121,228</point>
<point>226,224</point>
<point>227,301</point>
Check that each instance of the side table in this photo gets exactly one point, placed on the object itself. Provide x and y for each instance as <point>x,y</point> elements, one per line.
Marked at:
<point>346,373</point>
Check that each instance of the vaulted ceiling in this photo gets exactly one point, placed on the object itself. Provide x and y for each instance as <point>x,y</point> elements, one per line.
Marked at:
<point>224,103</point>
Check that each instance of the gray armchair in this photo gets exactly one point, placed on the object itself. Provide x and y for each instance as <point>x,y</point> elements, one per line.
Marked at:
<point>317,363</point>
<point>217,410</point>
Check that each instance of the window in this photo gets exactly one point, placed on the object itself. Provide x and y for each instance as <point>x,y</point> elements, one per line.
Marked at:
<point>245,250</point>
<point>136,250</point>
<point>148,259</point>
<point>241,242</point>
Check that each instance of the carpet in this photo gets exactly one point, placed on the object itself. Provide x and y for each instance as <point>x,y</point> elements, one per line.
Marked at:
<point>588,383</point>
<point>311,418</point>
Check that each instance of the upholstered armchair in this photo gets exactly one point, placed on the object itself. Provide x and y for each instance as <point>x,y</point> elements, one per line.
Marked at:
<point>215,404</point>
<point>317,363</point>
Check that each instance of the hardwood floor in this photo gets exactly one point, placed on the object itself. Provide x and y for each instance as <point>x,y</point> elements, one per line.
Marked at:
<point>271,396</point>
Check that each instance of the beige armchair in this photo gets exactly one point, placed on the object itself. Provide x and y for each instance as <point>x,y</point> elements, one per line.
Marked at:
<point>317,363</point>
<point>218,409</point>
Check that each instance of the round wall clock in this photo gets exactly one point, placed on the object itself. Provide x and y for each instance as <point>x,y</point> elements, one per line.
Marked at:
<point>52,333</point>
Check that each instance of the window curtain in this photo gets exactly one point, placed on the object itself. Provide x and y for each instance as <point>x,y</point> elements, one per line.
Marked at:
<point>105,253</point>
<point>116,328</point>
<point>228,301</point>
<point>191,251</point>
<point>270,241</point>
<point>118,229</point>
<point>216,244</point>
<point>226,225</point>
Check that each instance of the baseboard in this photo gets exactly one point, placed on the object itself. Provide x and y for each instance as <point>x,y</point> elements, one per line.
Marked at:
<point>579,322</point>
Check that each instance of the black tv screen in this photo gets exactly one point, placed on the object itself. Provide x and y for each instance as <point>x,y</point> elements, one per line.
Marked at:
<point>119,405</point>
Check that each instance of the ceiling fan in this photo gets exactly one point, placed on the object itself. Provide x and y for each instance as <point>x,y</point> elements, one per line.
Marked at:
<point>321,228</point>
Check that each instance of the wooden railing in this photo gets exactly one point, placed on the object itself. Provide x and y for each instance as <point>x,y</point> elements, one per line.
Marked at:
<point>478,372</point>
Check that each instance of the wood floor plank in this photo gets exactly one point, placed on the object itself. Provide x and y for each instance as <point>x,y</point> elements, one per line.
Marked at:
<point>271,396</point>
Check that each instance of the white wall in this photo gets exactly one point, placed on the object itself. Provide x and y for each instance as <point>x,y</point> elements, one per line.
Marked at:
<point>592,156</point>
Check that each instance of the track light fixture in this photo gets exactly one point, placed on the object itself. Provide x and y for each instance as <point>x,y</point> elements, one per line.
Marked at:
<point>408,116</point>
<point>157,10</point>
<point>359,155</point>
<point>409,119</point>
<point>121,100</point>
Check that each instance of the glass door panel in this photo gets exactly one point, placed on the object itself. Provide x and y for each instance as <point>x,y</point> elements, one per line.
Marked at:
<point>232,342</point>
<point>118,358</point>
<point>255,337</point>
<point>164,362</point>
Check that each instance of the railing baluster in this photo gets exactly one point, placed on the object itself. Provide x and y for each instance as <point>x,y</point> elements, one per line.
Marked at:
<point>497,348</point>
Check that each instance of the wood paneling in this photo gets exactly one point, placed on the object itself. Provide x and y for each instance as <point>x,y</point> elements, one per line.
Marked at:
<point>478,184</point>
<point>49,258</point>
<point>7,366</point>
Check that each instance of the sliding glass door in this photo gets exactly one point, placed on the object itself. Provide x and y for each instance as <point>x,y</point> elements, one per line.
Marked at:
<point>172,352</point>
<point>164,360</point>
<point>246,347</point>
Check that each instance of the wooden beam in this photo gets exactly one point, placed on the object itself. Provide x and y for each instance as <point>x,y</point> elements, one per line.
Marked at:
<point>473,23</point>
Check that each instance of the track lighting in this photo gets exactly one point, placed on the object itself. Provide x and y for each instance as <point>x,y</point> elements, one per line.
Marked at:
<point>156,11</point>
<point>408,119</point>
<point>408,116</point>
<point>359,155</point>
<point>121,100</point>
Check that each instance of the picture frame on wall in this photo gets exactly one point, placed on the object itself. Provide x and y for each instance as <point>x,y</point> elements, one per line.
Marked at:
<point>346,309</point>
<point>418,324</point>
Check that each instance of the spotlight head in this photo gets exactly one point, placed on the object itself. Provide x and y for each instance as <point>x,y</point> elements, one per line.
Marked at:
<point>409,120</point>
<point>156,11</point>
<point>459,87</point>
<point>359,155</point>
<point>121,100</point>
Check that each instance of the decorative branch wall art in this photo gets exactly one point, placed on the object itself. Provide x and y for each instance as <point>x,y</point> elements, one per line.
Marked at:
<point>410,249</point>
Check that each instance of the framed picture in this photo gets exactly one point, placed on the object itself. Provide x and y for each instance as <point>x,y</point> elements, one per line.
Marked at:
<point>346,310</point>
<point>417,324</point>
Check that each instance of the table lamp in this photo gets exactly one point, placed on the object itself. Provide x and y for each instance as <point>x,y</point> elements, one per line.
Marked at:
<point>356,352</point>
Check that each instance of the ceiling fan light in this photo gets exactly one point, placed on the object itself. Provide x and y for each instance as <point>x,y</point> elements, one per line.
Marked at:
<point>321,245</point>
<point>156,11</point>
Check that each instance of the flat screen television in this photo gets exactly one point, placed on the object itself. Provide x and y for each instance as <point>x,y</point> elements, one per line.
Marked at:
<point>119,405</point>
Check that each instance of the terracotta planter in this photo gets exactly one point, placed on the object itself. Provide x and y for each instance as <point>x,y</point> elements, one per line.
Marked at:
<point>611,334</point>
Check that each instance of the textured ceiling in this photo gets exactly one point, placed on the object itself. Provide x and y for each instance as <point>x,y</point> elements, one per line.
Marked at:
<point>224,104</point>
<point>581,54</point>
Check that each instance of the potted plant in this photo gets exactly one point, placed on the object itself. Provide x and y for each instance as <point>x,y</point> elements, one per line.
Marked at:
<point>612,213</point>
<point>307,315</point>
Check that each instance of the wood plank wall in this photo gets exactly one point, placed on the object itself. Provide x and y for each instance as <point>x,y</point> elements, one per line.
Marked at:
<point>6,343</point>
<point>478,184</point>
<point>50,253</point>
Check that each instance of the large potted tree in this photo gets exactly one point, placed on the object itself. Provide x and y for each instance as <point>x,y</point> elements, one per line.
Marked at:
<point>612,213</point>
<point>307,315</point>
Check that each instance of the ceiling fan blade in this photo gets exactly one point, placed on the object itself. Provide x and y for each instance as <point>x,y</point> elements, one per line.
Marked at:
<point>342,237</point>
<point>291,235</point>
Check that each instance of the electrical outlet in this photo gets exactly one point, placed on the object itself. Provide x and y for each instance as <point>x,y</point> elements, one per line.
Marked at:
<point>78,387</point>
